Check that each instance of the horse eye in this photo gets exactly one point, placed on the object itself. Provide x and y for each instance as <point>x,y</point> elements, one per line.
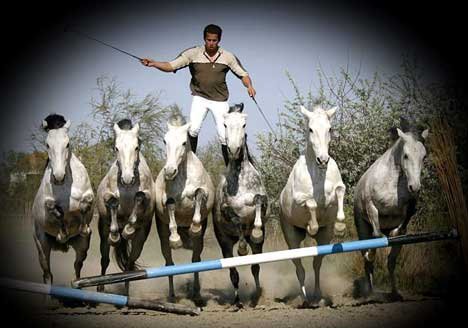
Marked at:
<point>137,148</point>
<point>47,145</point>
<point>311,131</point>
<point>405,156</point>
<point>116,149</point>
<point>68,145</point>
<point>184,143</point>
<point>225,125</point>
<point>243,126</point>
<point>164,141</point>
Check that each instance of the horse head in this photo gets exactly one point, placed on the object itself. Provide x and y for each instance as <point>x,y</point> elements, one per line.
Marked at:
<point>234,124</point>
<point>411,158</point>
<point>58,145</point>
<point>319,133</point>
<point>176,149</point>
<point>127,148</point>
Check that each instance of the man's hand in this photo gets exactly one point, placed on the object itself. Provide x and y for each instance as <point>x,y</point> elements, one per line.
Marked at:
<point>251,91</point>
<point>147,62</point>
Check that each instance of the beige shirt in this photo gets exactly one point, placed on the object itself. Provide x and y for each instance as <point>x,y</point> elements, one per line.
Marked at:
<point>209,78</point>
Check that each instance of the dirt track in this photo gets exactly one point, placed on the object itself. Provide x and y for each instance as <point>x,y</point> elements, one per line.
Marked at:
<point>278,306</point>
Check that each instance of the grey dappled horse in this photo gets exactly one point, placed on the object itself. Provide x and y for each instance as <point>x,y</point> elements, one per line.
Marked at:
<point>61,210</point>
<point>241,207</point>
<point>385,199</point>
<point>312,200</point>
<point>125,201</point>
<point>184,197</point>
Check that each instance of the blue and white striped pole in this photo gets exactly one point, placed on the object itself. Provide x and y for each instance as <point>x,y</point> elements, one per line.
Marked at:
<point>89,296</point>
<point>290,254</point>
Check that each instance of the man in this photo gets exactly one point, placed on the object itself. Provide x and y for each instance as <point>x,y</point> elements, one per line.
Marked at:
<point>208,65</point>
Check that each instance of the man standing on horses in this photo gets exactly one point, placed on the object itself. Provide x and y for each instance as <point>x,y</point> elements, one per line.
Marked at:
<point>208,65</point>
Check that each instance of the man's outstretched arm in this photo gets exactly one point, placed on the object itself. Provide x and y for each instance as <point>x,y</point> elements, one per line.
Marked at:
<point>248,84</point>
<point>162,66</point>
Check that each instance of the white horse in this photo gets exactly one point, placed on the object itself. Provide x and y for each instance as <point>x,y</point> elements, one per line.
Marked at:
<point>313,196</point>
<point>385,199</point>
<point>62,207</point>
<point>184,197</point>
<point>125,201</point>
<point>241,207</point>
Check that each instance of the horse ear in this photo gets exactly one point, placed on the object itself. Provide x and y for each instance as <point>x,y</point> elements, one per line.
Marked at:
<point>304,111</point>
<point>116,128</point>
<point>241,107</point>
<point>331,112</point>
<point>136,128</point>
<point>67,125</point>
<point>401,134</point>
<point>44,125</point>
<point>425,133</point>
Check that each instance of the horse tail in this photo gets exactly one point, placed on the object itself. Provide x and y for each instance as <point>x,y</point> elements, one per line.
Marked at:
<point>122,254</point>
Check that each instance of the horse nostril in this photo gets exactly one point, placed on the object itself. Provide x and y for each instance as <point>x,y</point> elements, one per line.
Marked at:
<point>411,188</point>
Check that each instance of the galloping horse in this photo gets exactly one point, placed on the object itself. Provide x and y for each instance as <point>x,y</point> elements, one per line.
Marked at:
<point>62,207</point>
<point>125,201</point>
<point>242,207</point>
<point>184,197</point>
<point>385,198</point>
<point>313,197</point>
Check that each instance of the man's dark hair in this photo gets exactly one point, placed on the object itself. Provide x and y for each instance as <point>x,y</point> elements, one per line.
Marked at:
<point>212,29</point>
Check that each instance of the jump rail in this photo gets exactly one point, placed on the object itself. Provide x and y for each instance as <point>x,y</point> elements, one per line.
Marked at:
<point>84,295</point>
<point>350,246</point>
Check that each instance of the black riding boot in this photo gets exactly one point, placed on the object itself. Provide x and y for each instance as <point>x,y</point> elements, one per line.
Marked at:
<point>224,150</point>
<point>193,143</point>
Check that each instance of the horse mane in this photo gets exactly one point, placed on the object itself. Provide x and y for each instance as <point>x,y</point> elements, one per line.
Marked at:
<point>248,155</point>
<point>176,118</point>
<point>125,124</point>
<point>237,108</point>
<point>54,121</point>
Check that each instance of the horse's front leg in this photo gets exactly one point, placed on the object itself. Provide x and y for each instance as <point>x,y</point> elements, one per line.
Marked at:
<point>140,203</point>
<point>112,204</point>
<point>340,226</point>
<point>373,215</point>
<point>174,238</point>
<point>307,200</point>
<point>56,212</point>
<point>201,197</point>
<point>86,204</point>
<point>261,202</point>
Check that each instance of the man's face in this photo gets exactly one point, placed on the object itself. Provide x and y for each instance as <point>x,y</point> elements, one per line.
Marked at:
<point>211,41</point>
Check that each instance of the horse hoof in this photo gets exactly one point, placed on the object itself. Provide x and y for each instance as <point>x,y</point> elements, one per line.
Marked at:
<point>395,297</point>
<point>257,235</point>
<point>312,230</point>
<point>128,232</point>
<point>85,231</point>
<point>340,228</point>
<point>242,249</point>
<point>195,230</point>
<point>175,242</point>
<point>114,238</point>
<point>61,238</point>
<point>369,256</point>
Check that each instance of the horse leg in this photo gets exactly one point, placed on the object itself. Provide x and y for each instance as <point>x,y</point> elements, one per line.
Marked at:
<point>163,233</point>
<point>81,246</point>
<point>140,203</point>
<point>373,215</point>
<point>112,204</point>
<point>43,249</point>
<point>104,248</point>
<point>197,243</point>
<point>409,212</point>
<point>174,239</point>
<point>57,213</point>
<point>260,208</point>
<point>391,264</point>
<point>324,237</point>
<point>257,248</point>
<point>364,230</point>
<point>201,198</point>
<point>312,225</point>
<point>340,226</point>
<point>293,237</point>
<point>137,243</point>
<point>86,203</point>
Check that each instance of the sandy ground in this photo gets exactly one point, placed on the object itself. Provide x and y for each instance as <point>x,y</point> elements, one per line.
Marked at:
<point>278,306</point>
